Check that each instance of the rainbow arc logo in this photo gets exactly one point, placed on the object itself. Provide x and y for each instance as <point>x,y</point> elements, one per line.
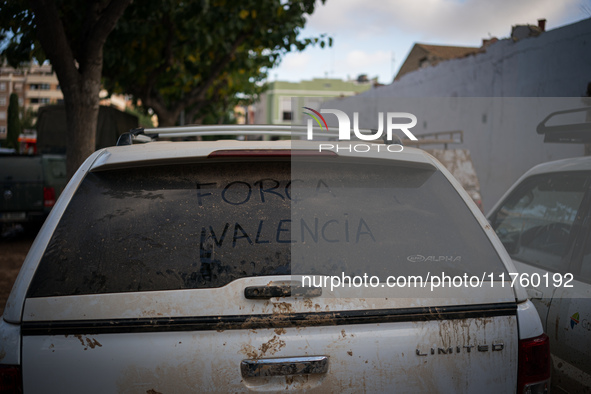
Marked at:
<point>318,115</point>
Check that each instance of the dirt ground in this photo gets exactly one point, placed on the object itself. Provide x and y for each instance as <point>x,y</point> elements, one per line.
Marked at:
<point>12,254</point>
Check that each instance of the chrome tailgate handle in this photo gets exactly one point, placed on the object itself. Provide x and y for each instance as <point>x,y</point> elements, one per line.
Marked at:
<point>284,366</point>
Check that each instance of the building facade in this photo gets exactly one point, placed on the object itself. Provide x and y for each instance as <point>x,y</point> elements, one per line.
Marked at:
<point>423,55</point>
<point>276,104</point>
<point>35,85</point>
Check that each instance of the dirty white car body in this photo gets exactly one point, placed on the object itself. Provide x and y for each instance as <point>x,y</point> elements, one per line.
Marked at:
<point>543,220</point>
<point>123,336</point>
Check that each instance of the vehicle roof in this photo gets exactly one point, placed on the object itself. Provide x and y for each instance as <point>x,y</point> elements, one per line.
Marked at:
<point>570,164</point>
<point>165,150</point>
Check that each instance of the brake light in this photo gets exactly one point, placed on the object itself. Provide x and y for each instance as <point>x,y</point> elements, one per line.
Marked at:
<point>11,381</point>
<point>534,365</point>
<point>48,197</point>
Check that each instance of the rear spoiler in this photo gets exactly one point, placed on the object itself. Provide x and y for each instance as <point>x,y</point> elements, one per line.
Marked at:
<point>577,133</point>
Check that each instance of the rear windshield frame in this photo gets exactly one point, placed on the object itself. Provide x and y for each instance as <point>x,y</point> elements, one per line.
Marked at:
<point>51,279</point>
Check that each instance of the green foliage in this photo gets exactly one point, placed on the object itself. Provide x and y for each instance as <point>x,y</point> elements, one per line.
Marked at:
<point>18,35</point>
<point>18,30</point>
<point>201,56</point>
<point>144,119</point>
<point>13,127</point>
<point>28,119</point>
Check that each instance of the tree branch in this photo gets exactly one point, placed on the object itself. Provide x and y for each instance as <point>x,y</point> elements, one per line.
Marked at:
<point>167,55</point>
<point>156,102</point>
<point>105,23</point>
<point>197,105</point>
<point>197,96</point>
<point>198,93</point>
<point>52,35</point>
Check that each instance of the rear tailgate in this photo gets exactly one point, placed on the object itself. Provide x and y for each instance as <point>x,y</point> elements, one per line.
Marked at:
<point>173,348</point>
<point>179,279</point>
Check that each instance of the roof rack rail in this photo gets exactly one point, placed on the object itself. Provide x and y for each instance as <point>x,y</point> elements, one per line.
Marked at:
<point>146,135</point>
<point>131,135</point>
<point>578,133</point>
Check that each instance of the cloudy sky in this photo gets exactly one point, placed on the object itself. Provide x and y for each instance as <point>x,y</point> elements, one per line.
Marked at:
<point>374,36</point>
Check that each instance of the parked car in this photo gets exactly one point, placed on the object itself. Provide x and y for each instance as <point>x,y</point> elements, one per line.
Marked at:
<point>30,186</point>
<point>544,222</point>
<point>212,267</point>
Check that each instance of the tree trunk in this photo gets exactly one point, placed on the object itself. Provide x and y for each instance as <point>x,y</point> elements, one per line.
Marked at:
<point>82,109</point>
<point>167,118</point>
<point>78,68</point>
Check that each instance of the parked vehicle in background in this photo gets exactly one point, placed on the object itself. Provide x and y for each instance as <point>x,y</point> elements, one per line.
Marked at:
<point>544,222</point>
<point>182,266</point>
<point>29,187</point>
<point>30,184</point>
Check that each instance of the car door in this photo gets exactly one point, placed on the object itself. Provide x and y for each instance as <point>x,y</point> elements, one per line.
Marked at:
<point>544,225</point>
<point>569,320</point>
<point>538,223</point>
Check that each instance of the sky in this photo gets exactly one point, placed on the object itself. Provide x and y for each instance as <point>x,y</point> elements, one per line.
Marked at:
<point>374,37</point>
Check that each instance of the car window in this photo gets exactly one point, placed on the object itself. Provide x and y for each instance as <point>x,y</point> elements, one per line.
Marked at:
<point>537,219</point>
<point>55,169</point>
<point>203,225</point>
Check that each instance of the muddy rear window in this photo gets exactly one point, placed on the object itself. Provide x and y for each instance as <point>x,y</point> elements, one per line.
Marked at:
<point>203,225</point>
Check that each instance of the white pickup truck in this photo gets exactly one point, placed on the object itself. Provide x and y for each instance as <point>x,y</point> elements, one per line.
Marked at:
<point>248,266</point>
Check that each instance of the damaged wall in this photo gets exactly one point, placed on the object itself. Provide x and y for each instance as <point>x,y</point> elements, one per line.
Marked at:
<point>503,143</point>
